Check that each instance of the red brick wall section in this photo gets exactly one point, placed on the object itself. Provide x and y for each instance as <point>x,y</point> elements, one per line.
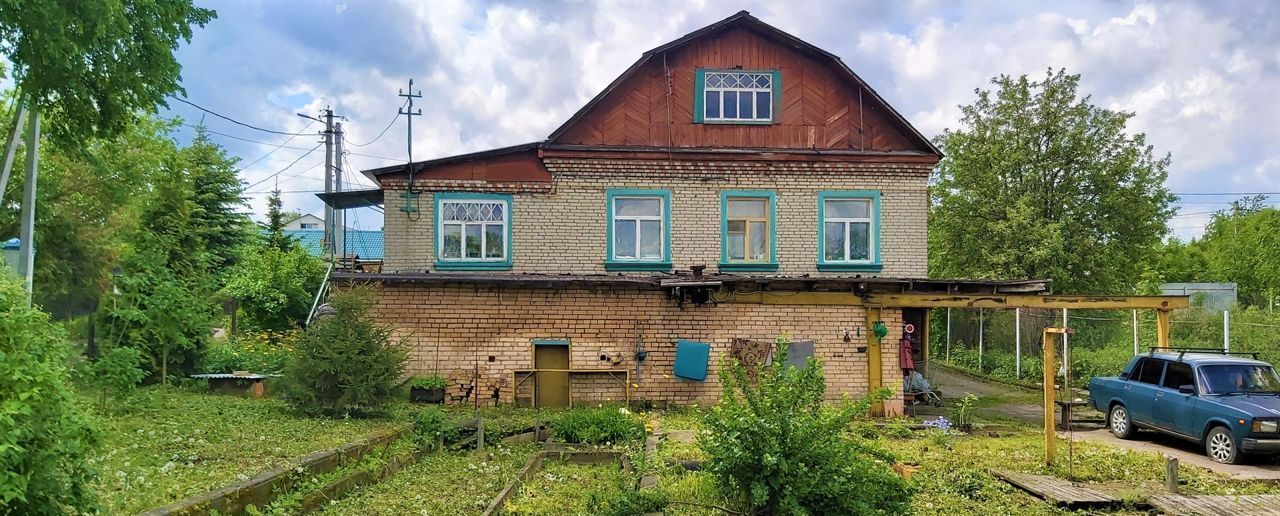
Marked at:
<point>454,329</point>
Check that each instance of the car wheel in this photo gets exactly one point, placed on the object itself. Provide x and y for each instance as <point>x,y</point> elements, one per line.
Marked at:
<point>1220,446</point>
<point>1120,423</point>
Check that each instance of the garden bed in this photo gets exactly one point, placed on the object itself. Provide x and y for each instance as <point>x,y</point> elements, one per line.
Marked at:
<point>566,487</point>
<point>166,445</point>
<point>440,483</point>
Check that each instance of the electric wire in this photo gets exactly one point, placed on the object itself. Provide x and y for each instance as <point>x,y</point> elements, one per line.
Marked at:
<point>263,180</point>
<point>277,147</point>
<point>232,120</point>
<point>384,129</point>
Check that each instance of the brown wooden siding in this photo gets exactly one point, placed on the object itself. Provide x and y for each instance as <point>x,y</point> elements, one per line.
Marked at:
<point>820,106</point>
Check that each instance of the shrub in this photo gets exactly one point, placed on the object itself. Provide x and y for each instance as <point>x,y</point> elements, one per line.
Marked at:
<point>118,372</point>
<point>264,352</point>
<point>774,446</point>
<point>44,435</point>
<point>626,501</point>
<point>432,427</point>
<point>434,381</point>
<point>962,412</point>
<point>597,425</point>
<point>345,364</point>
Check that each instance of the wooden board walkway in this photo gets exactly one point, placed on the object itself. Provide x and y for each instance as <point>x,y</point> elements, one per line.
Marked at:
<point>1061,492</point>
<point>1213,505</point>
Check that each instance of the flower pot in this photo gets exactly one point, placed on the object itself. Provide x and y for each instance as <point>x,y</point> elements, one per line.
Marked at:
<point>421,395</point>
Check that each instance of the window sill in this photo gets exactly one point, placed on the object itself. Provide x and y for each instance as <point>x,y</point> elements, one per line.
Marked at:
<point>737,122</point>
<point>611,265</point>
<point>473,266</point>
<point>748,266</point>
<point>850,267</point>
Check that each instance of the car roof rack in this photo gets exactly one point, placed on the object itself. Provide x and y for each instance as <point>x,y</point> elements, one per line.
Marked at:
<point>1212,351</point>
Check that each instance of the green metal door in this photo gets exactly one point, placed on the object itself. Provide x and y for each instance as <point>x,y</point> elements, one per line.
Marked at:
<point>551,388</point>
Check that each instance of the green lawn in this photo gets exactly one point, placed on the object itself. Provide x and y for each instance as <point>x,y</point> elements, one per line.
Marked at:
<point>168,444</point>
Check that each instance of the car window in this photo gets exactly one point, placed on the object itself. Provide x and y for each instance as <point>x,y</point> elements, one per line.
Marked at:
<point>1245,378</point>
<point>1177,375</point>
<point>1150,372</point>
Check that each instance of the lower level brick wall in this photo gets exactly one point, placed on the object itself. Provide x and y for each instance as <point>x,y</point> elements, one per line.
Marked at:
<point>465,330</point>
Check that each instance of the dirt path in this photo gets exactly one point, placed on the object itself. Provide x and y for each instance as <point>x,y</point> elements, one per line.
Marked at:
<point>996,401</point>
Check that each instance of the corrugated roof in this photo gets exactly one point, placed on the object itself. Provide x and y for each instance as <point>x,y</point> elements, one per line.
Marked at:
<point>365,243</point>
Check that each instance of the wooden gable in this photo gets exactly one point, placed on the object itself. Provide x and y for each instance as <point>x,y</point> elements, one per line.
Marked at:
<point>823,105</point>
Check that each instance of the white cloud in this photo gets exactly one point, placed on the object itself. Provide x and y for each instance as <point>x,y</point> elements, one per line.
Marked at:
<point>1201,78</point>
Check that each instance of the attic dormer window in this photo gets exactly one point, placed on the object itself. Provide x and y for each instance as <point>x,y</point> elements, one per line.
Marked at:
<point>736,96</point>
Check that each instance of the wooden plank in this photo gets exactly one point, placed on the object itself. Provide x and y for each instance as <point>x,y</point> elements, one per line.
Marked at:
<point>964,300</point>
<point>1061,492</point>
<point>1212,505</point>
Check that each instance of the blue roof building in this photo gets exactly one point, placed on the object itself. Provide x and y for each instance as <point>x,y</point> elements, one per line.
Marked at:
<point>364,243</point>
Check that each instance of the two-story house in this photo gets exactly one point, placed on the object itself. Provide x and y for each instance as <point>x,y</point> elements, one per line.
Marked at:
<point>572,268</point>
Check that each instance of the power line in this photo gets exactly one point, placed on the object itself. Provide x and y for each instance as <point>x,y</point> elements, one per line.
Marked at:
<point>278,147</point>
<point>232,120</point>
<point>260,142</point>
<point>384,129</point>
<point>308,153</point>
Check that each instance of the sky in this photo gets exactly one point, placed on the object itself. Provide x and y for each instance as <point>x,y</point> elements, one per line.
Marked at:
<point>1200,77</point>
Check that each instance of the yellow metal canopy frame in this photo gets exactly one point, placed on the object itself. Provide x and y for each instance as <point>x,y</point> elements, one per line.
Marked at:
<point>875,301</point>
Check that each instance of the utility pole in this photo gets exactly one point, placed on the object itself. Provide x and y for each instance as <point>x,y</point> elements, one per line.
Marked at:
<point>328,182</point>
<point>340,216</point>
<point>27,235</point>
<point>409,205</point>
<point>11,146</point>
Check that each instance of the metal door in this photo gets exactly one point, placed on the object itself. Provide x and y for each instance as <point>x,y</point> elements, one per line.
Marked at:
<point>551,388</point>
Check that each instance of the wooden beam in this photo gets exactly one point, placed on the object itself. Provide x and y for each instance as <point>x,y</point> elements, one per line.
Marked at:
<point>875,373</point>
<point>965,300</point>
<point>1162,329</point>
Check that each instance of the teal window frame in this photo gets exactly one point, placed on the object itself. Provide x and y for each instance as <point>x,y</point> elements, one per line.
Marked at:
<point>727,265</point>
<point>473,264</point>
<point>873,264</point>
<point>638,264</point>
<point>699,97</point>
<point>551,342</point>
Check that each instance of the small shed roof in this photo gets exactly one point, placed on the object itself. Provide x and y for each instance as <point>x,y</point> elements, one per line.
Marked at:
<point>367,244</point>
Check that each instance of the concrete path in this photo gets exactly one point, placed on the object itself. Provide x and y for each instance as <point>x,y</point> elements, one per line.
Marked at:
<point>1186,452</point>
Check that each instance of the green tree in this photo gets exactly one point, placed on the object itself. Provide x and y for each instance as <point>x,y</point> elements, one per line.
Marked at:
<point>219,198</point>
<point>1242,245</point>
<point>92,67</point>
<point>345,364</point>
<point>277,279</point>
<point>45,437</point>
<point>276,220</point>
<point>1040,183</point>
<point>774,445</point>
<point>86,197</point>
<point>165,304</point>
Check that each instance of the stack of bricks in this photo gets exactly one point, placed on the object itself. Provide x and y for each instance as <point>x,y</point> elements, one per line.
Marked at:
<point>452,327</point>
<point>464,386</point>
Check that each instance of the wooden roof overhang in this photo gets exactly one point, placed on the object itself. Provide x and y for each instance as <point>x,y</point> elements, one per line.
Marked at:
<point>805,290</point>
<point>556,150</point>
<point>514,164</point>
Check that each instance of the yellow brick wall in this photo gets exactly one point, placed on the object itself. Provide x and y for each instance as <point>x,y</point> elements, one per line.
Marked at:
<point>456,329</point>
<point>561,229</point>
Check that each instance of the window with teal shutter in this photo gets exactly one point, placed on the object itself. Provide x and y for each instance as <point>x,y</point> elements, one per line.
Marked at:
<point>736,96</point>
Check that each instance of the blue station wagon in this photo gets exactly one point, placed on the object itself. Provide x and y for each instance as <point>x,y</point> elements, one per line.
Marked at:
<point>1229,404</point>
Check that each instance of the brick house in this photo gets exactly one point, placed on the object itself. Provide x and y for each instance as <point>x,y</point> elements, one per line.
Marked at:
<point>738,147</point>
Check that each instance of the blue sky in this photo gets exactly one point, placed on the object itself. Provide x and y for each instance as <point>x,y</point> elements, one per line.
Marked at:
<point>1201,78</point>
